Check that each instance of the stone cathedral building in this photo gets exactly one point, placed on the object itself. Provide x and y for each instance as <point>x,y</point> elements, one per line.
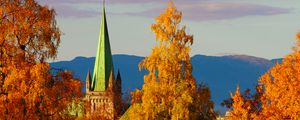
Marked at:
<point>103,88</point>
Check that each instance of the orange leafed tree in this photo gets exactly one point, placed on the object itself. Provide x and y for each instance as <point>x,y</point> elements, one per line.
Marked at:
<point>242,107</point>
<point>28,37</point>
<point>169,88</point>
<point>203,106</point>
<point>281,99</point>
<point>246,105</point>
<point>279,93</point>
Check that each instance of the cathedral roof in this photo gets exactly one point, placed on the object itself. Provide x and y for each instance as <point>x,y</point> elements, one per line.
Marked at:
<point>103,62</point>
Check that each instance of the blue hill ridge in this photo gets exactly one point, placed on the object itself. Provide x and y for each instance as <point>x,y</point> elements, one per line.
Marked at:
<point>221,73</point>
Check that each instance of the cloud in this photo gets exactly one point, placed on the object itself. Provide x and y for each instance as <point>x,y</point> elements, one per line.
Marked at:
<point>70,11</point>
<point>99,1</point>
<point>68,1</point>
<point>218,11</point>
<point>196,10</point>
<point>69,8</point>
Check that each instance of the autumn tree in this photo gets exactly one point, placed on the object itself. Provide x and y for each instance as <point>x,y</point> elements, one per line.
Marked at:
<point>28,37</point>
<point>244,105</point>
<point>240,111</point>
<point>203,106</point>
<point>169,88</point>
<point>278,96</point>
<point>281,99</point>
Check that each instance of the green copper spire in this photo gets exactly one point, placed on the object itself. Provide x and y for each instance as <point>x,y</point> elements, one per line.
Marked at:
<point>103,63</point>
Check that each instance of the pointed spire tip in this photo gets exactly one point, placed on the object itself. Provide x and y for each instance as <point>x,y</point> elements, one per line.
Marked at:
<point>103,3</point>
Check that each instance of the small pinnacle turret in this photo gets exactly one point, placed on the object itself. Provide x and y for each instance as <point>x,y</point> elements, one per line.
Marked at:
<point>119,76</point>
<point>88,81</point>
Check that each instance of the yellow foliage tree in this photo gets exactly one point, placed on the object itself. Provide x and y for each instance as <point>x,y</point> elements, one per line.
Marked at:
<point>202,107</point>
<point>28,37</point>
<point>281,99</point>
<point>278,92</point>
<point>241,107</point>
<point>169,90</point>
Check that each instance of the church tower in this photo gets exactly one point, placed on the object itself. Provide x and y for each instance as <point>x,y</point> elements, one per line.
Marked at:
<point>103,91</point>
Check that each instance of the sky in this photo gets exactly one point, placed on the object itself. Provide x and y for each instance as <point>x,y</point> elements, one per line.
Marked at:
<point>261,28</point>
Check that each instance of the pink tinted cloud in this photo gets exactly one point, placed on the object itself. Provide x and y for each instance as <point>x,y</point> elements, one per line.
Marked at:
<point>100,1</point>
<point>218,11</point>
<point>70,11</point>
<point>69,8</point>
<point>196,10</point>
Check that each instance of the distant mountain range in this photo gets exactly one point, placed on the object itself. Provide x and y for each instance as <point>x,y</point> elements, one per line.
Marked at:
<point>221,73</point>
